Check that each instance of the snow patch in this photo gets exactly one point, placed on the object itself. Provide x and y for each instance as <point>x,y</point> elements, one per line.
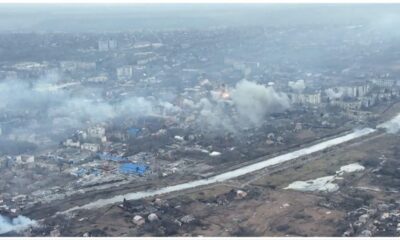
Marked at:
<point>179,138</point>
<point>214,154</point>
<point>354,167</point>
<point>325,184</point>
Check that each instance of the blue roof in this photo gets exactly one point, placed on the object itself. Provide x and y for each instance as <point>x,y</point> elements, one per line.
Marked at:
<point>81,171</point>
<point>133,168</point>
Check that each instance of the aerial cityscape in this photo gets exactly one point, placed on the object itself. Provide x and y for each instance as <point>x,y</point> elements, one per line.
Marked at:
<point>254,120</point>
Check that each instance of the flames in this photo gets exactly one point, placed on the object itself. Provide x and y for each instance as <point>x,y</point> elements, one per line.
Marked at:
<point>225,95</point>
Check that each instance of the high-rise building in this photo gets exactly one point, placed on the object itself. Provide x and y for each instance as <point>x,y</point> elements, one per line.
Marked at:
<point>106,45</point>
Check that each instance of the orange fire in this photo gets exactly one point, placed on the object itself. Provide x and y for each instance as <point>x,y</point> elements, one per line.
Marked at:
<point>225,95</point>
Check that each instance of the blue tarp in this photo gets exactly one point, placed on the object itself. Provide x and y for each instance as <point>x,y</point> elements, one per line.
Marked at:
<point>133,132</point>
<point>81,172</point>
<point>111,157</point>
<point>133,168</point>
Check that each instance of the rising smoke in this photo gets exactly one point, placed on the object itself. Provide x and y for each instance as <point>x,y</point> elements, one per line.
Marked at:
<point>391,126</point>
<point>298,85</point>
<point>14,225</point>
<point>251,102</point>
<point>334,94</point>
<point>47,110</point>
<point>50,111</point>
<point>214,116</point>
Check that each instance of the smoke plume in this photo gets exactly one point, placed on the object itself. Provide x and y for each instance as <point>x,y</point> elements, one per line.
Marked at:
<point>391,126</point>
<point>333,94</point>
<point>47,109</point>
<point>248,105</point>
<point>297,86</point>
<point>16,224</point>
<point>44,108</point>
<point>253,101</point>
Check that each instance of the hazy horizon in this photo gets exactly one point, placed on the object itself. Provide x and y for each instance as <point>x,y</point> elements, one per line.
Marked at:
<point>130,17</point>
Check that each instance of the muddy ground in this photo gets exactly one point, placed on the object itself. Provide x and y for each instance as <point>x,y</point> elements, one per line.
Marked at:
<point>267,209</point>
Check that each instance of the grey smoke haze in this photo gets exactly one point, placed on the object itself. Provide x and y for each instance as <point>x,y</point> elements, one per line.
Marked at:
<point>213,116</point>
<point>386,24</point>
<point>16,224</point>
<point>391,126</point>
<point>51,109</point>
<point>251,101</point>
<point>298,85</point>
<point>79,18</point>
<point>334,94</point>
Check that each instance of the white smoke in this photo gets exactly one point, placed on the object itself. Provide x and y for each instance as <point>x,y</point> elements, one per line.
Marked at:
<point>52,108</point>
<point>386,25</point>
<point>214,117</point>
<point>253,101</point>
<point>298,85</point>
<point>332,94</point>
<point>16,224</point>
<point>391,126</point>
<point>188,103</point>
<point>169,108</point>
<point>83,108</point>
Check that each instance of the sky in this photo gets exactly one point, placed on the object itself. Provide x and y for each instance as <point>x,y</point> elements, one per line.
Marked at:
<point>126,17</point>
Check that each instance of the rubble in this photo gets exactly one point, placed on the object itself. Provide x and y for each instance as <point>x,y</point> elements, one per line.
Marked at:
<point>374,220</point>
<point>366,233</point>
<point>240,194</point>
<point>158,201</point>
<point>55,233</point>
<point>152,217</point>
<point>187,219</point>
<point>138,220</point>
